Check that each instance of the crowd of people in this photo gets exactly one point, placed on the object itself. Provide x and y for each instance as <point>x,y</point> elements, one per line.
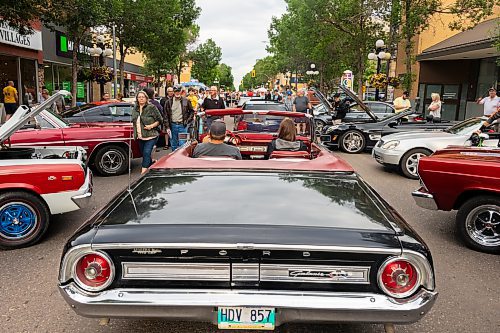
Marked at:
<point>173,114</point>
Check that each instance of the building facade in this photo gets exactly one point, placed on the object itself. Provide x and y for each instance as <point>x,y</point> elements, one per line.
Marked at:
<point>458,65</point>
<point>20,57</point>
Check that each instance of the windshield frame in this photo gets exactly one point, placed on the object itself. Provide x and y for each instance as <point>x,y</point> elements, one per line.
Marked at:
<point>453,129</point>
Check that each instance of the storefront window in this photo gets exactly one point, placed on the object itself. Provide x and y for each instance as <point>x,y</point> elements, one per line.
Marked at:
<point>8,72</point>
<point>49,77</point>
<point>29,81</point>
<point>488,76</point>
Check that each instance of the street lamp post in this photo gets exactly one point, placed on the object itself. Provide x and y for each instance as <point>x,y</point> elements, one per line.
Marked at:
<point>312,71</point>
<point>99,52</point>
<point>379,55</point>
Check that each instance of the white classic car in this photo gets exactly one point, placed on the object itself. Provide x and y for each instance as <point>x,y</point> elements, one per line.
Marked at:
<point>37,181</point>
<point>403,150</point>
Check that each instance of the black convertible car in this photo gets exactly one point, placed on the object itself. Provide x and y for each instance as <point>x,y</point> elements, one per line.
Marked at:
<point>249,244</point>
<point>354,138</point>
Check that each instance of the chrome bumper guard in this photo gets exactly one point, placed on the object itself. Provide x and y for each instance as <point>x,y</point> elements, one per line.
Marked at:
<point>85,192</point>
<point>424,199</point>
<point>292,306</point>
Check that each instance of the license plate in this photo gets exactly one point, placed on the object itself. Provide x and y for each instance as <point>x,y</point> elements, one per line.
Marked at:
<point>246,318</point>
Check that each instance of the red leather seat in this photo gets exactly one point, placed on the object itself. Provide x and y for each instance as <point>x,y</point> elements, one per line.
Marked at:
<point>289,154</point>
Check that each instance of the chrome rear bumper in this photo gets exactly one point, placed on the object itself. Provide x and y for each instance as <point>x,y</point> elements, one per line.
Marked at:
<point>424,199</point>
<point>292,306</point>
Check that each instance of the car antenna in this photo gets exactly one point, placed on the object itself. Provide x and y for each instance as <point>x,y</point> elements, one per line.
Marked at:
<point>129,188</point>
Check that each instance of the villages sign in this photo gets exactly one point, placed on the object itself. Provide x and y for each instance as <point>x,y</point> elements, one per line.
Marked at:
<point>11,36</point>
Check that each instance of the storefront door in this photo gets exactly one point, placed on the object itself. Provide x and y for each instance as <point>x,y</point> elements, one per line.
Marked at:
<point>450,97</point>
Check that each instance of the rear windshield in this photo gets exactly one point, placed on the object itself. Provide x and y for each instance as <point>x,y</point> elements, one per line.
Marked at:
<point>235,198</point>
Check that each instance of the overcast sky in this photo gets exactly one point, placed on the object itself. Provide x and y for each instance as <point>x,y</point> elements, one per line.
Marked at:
<point>239,27</point>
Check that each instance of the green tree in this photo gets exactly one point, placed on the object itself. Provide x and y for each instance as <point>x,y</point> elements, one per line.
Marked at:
<point>21,13</point>
<point>166,42</point>
<point>77,17</point>
<point>225,75</point>
<point>205,58</point>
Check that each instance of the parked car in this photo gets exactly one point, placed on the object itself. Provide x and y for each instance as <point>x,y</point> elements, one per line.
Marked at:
<point>354,138</point>
<point>37,182</point>
<point>109,112</point>
<point>307,240</point>
<point>467,180</point>
<point>107,144</point>
<point>404,150</point>
<point>261,104</point>
<point>324,111</point>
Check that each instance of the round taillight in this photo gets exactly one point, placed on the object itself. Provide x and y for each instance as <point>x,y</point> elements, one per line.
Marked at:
<point>94,271</point>
<point>398,278</point>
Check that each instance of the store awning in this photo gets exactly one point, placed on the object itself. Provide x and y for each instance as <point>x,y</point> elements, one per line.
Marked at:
<point>476,43</point>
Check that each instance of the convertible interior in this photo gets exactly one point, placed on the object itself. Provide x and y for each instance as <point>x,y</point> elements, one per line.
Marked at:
<point>252,133</point>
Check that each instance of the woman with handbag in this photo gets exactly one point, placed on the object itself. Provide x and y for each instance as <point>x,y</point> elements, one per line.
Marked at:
<point>146,120</point>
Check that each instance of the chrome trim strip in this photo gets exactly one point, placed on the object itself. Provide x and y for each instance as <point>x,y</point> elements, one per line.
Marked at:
<point>315,274</point>
<point>245,272</point>
<point>176,272</point>
<point>250,246</point>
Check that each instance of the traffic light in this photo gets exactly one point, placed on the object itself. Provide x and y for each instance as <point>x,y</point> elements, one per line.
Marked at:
<point>253,73</point>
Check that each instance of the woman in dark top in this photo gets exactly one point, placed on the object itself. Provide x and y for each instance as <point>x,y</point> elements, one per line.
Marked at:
<point>146,119</point>
<point>286,138</point>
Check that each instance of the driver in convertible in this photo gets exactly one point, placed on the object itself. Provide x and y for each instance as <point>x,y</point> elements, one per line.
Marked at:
<point>215,146</point>
<point>286,140</point>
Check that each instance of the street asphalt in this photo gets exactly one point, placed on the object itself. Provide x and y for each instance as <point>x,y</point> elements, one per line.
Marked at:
<point>468,281</point>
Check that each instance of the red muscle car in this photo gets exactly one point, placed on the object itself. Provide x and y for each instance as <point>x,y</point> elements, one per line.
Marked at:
<point>467,180</point>
<point>107,144</point>
<point>36,182</point>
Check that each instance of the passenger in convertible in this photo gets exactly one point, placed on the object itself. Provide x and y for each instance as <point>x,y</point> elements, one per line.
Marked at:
<point>286,140</point>
<point>215,145</point>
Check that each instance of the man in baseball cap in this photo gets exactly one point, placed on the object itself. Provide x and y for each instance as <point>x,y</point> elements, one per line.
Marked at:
<point>490,102</point>
<point>215,146</point>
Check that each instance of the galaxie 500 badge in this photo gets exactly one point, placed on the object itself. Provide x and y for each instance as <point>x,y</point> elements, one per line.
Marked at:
<point>146,251</point>
<point>354,275</point>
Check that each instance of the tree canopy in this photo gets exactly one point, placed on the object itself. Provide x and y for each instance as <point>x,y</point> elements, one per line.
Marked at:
<point>206,57</point>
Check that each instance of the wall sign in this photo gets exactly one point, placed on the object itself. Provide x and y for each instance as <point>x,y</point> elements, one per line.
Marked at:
<point>64,47</point>
<point>11,36</point>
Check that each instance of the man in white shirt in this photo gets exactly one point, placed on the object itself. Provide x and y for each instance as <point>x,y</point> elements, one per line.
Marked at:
<point>490,102</point>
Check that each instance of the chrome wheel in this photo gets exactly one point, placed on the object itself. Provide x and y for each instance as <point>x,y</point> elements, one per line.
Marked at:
<point>319,126</point>
<point>353,142</point>
<point>112,161</point>
<point>17,220</point>
<point>412,163</point>
<point>483,225</point>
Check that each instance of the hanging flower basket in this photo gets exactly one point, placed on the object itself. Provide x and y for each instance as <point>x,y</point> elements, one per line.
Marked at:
<point>84,75</point>
<point>378,81</point>
<point>102,74</point>
<point>394,81</point>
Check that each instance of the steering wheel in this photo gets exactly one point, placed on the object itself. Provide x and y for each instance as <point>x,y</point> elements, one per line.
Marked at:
<point>231,138</point>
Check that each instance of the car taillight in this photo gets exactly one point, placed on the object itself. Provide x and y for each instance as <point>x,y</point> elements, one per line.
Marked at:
<point>94,271</point>
<point>398,278</point>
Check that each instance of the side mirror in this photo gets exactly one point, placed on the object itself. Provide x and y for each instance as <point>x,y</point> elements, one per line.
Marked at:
<point>393,123</point>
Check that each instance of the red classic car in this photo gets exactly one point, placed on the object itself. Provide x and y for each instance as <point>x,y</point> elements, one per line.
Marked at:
<point>252,130</point>
<point>36,182</point>
<point>107,144</point>
<point>467,180</point>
